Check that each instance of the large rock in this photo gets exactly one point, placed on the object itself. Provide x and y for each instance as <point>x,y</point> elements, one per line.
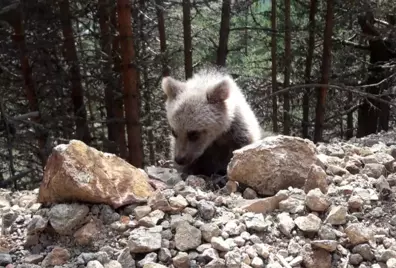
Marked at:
<point>77,172</point>
<point>273,163</point>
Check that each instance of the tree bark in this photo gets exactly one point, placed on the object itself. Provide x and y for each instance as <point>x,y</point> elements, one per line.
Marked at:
<point>147,93</point>
<point>30,90</point>
<point>274,68</point>
<point>286,95</point>
<point>77,92</point>
<point>349,130</point>
<point>326,64</point>
<point>105,42</point>
<point>187,38</point>
<point>372,115</point>
<point>130,84</point>
<point>308,67</point>
<point>162,37</point>
<point>222,49</point>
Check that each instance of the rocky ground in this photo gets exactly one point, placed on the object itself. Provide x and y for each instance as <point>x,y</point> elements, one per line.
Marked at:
<point>349,222</point>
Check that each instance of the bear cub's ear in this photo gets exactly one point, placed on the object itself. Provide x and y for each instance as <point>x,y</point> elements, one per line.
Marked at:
<point>172,87</point>
<point>219,93</point>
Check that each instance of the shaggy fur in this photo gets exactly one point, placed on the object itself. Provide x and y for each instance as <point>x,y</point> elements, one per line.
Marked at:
<point>209,118</point>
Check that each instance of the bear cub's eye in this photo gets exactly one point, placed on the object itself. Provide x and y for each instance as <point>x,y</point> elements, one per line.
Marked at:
<point>193,135</point>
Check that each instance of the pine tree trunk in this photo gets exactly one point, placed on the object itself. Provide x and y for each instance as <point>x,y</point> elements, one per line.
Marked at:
<point>119,125</point>
<point>77,92</point>
<point>286,95</point>
<point>274,68</point>
<point>105,42</point>
<point>162,38</point>
<point>130,84</point>
<point>349,130</point>
<point>326,64</point>
<point>308,67</point>
<point>187,38</point>
<point>30,90</point>
<point>222,50</point>
<point>145,87</point>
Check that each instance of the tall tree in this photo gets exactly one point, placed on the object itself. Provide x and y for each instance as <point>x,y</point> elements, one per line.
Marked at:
<point>274,69</point>
<point>17,22</point>
<point>162,37</point>
<point>222,49</point>
<point>147,93</point>
<point>130,78</point>
<point>120,135</point>
<point>77,92</point>
<point>188,68</point>
<point>286,95</point>
<point>105,42</point>
<point>308,66</point>
<point>326,64</point>
<point>373,115</point>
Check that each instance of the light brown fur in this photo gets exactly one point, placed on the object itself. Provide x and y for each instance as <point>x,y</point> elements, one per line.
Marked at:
<point>210,118</point>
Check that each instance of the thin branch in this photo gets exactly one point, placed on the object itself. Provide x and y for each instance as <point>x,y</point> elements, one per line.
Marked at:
<point>342,88</point>
<point>349,43</point>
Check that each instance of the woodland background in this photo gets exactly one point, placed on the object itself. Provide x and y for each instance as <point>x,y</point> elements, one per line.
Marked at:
<point>91,70</point>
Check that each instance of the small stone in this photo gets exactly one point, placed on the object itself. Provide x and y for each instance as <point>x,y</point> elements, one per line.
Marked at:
<point>316,179</point>
<point>94,264</point>
<point>314,258</point>
<point>327,233</point>
<point>148,258</point>
<point>216,263</point>
<point>5,259</point>
<point>257,262</point>
<point>206,209</point>
<point>255,222</point>
<point>187,236</point>
<point>125,259</point>
<point>373,170</point>
<point>358,233</point>
<point>234,227</point>
<point>152,218</point>
<point>336,170</point>
<point>144,240</point>
<point>249,193</point>
<point>387,254</point>
<point>219,244</point>
<point>233,259</point>
<point>365,251</point>
<point>178,202</point>
<point>316,200</point>
<point>292,205</point>
<point>310,223</point>
<point>58,256</point>
<point>181,260</point>
<point>113,264</point>
<point>164,255</point>
<point>329,245</point>
<point>286,223</point>
<point>337,215</point>
<point>141,211</point>
<point>355,202</point>
<point>355,259</point>
<point>33,259</point>
<point>65,217</point>
<point>36,225</point>
<point>210,230</point>
<point>86,234</point>
<point>262,250</point>
<point>209,254</point>
<point>391,263</point>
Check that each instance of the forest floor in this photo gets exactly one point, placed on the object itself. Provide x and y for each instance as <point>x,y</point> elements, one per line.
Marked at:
<point>353,224</point>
